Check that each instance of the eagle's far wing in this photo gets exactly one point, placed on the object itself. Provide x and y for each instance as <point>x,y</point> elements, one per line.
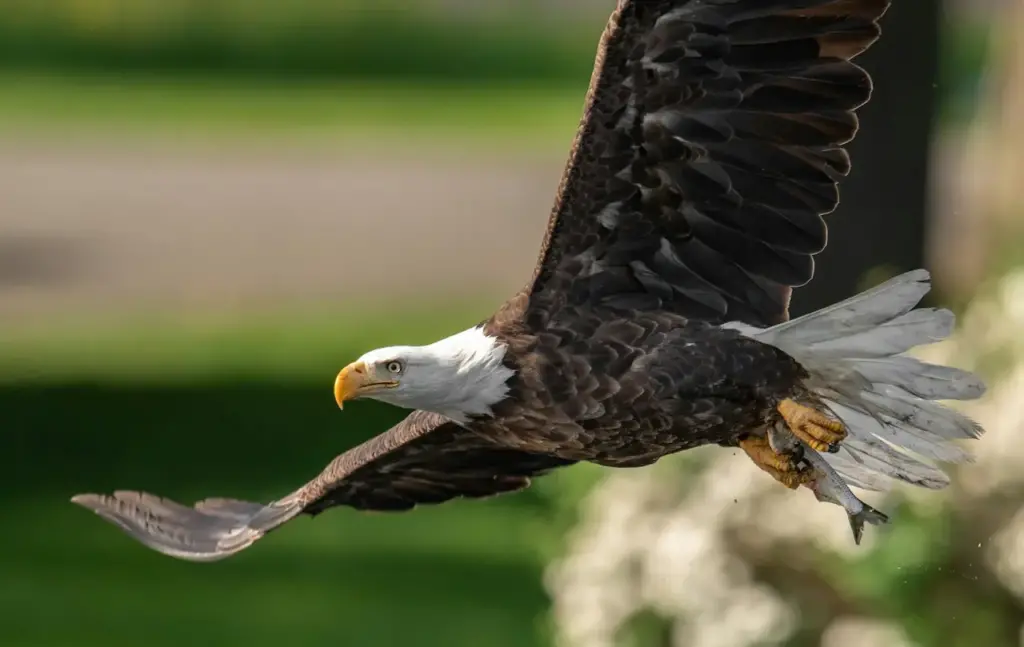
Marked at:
<point>422,460</point>
<point>710,147</point>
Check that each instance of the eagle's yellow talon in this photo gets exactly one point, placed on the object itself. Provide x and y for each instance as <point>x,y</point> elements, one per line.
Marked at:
<point>816,445</point>
<point>793,480</point>
<point>816,429</point>
<point>782,467</point>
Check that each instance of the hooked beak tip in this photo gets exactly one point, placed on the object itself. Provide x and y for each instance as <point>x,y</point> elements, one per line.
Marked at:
<point>344,387</point>
<point>355,381</point>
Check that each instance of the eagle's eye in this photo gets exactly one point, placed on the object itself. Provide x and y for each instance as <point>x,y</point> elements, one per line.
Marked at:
<point>394,367</point>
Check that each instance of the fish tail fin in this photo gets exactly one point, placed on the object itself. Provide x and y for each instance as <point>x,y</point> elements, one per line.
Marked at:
<point>854,352</point>
<point>866,515</point>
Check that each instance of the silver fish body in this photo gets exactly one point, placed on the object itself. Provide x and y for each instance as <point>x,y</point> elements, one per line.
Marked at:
<point>827,485</point>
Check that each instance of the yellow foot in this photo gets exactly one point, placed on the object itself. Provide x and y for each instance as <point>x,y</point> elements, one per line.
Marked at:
<point>816,429</point>
<point>784,468</point>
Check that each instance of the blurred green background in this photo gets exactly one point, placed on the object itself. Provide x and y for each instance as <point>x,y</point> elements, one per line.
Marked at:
<point>143,347</point>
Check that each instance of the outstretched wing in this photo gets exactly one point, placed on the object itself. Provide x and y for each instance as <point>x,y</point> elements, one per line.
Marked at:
<point>424,459</point>
<point>710,147</point>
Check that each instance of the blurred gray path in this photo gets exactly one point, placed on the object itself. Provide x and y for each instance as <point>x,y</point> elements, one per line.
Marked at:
<point>83,229</point>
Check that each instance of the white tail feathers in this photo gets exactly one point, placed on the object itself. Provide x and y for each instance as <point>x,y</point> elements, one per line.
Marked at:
<point>853,351</point>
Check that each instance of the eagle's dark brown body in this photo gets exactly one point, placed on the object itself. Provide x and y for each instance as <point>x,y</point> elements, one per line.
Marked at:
<point>710,147</point>
<point>626,389</point>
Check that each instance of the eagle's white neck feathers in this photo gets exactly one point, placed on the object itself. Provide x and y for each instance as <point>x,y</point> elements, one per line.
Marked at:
<point>458,376</point>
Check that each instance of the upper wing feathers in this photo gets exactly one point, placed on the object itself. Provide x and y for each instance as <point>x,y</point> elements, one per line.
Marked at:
<point>397,471</point>
<point>710,147</point>
<point>424,459</point>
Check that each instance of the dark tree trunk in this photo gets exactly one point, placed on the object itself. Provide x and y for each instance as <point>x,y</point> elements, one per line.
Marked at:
<point>881,219</point>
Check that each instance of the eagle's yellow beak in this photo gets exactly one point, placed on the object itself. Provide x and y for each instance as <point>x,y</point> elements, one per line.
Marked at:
<point>357,380</point>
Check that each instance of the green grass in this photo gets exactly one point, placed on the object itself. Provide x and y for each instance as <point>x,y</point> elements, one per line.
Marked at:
<point>321,111</point>
<point>424,578</point>
<point>441,577</point>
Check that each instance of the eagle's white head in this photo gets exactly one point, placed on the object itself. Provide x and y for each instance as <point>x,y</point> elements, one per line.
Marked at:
<point>459,376</point>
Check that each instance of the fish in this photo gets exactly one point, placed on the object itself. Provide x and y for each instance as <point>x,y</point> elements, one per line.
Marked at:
<point>827,485</point>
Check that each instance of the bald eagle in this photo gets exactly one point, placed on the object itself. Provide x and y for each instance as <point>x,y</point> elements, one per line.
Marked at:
<point>710,147</point>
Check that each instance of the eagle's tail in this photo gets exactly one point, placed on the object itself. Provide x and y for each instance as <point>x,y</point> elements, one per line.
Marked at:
<point>854,351</point>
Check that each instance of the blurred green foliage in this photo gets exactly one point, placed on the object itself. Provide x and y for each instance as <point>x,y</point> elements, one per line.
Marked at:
<point>324,113</point>
<point>308,38</point>
<point>927,573</point>
<point>964,57</point>
<point>377,40</point>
